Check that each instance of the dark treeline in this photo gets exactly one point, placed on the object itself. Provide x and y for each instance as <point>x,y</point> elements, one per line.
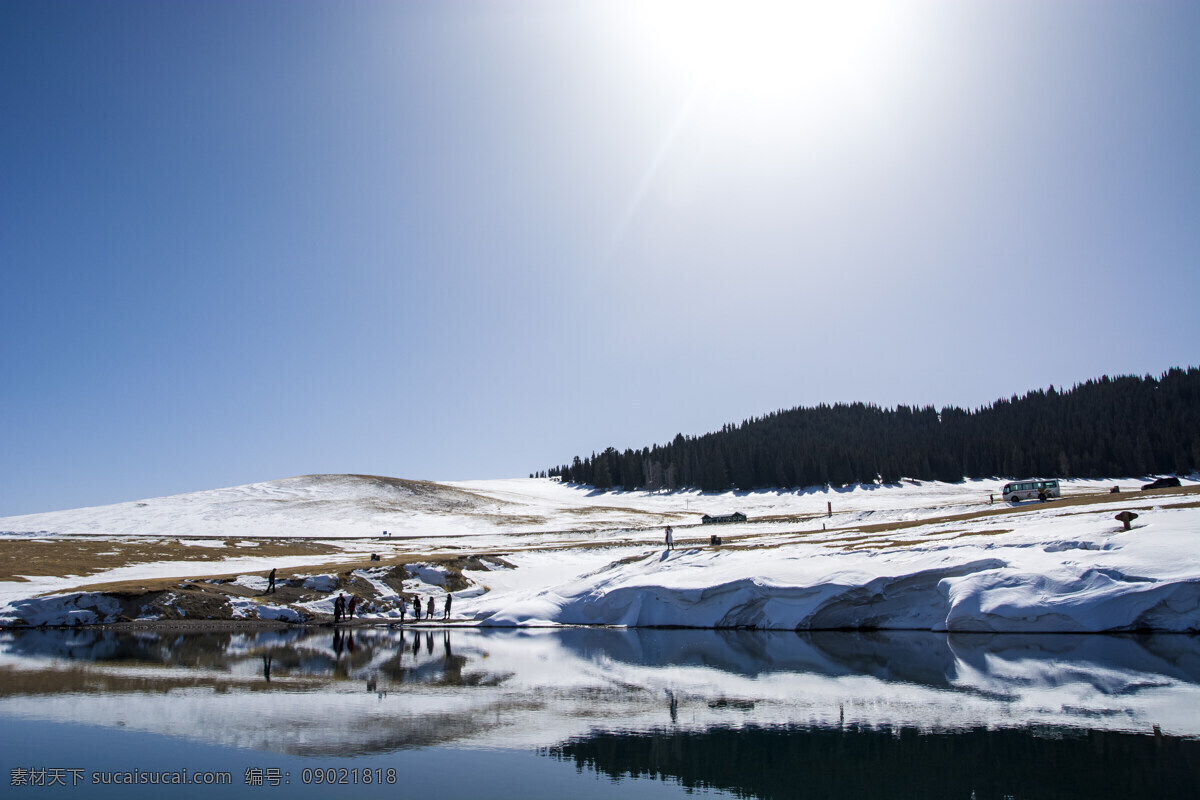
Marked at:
<point>1103,428</point>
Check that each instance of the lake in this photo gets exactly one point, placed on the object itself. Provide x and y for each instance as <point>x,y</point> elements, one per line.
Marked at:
<point>597,712</point>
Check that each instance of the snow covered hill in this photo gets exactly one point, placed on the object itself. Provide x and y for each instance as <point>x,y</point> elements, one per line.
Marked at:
<point>910,556</point>
<point>331,506</point>
<point>347,505</point>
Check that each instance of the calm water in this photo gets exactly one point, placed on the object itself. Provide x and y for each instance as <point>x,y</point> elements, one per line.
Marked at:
<point>599,713</point>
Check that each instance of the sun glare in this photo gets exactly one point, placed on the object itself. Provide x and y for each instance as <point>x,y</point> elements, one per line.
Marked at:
<point>771,53</point>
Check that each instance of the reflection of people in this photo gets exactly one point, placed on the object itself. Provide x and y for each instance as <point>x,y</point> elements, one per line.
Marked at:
<point>446,613</point>
<point>270,582</point>
<point>670,539</point>
<point>267,667</point>
<point>337,642</point>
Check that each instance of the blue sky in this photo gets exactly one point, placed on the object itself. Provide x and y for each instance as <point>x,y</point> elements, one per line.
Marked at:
<point>248,240</point>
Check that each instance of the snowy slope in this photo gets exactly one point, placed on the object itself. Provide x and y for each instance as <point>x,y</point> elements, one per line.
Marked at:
<point>914,556</point>
<point>1060,571</point>
<point>348,505</point>
<point>361,505</point>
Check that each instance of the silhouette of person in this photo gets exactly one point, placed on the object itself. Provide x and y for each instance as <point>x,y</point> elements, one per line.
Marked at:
<point>353,605</point>
<point>670,539</point>
<point>270,582</point>
<point>429,612</point>
<point>446,612</point>
<point>417,608</point>
<point>339,608</point>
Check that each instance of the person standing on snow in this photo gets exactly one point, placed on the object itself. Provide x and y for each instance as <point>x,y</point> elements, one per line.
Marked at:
<point>446,613</point>
<point>670,539</point>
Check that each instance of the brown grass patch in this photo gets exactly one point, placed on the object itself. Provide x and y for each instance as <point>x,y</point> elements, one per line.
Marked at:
<point>61,556</point>
<point>991,532</point>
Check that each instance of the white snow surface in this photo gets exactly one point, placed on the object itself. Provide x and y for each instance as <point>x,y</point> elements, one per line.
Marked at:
<point>321,583</point>
<point>1058,575</point>
<point>584,557</point>
<point>352,505</point>
<point>330,506</point>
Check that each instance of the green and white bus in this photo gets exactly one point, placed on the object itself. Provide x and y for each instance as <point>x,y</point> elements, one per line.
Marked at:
<point>1031,490</point>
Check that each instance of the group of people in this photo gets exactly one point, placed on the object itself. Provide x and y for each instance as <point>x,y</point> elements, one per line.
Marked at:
<point>343,608</point>
<point>430,608</point>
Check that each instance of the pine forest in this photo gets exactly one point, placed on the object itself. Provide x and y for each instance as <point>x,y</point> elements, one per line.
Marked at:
<point>1105,428</point>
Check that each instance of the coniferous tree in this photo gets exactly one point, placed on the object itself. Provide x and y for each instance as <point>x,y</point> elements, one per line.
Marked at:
<point>1101,428</point>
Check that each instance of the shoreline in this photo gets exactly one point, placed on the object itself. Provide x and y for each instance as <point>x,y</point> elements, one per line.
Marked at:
<point>246,625</point>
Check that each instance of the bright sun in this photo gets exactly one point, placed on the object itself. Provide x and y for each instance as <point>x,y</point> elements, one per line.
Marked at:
<point>799,57</point>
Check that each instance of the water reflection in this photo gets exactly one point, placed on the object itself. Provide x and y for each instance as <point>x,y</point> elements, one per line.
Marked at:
<point>791,761</point>
<point>998,667</point>
<point>749,712</point>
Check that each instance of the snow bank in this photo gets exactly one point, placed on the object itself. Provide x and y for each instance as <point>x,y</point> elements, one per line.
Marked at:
<point>430,574</point>
<point>1098,580</point>
<point>256,582</point>
<point>79,608</point>
<point>321,583</point>
<point>282,613</point>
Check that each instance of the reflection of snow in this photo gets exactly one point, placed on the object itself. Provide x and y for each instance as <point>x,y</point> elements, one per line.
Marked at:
<point>526,689</point>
